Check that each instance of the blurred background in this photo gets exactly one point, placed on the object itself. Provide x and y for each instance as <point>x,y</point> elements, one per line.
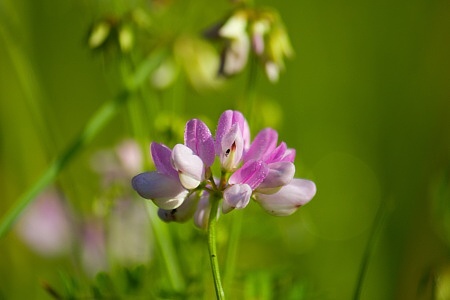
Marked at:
<point>365,101</point>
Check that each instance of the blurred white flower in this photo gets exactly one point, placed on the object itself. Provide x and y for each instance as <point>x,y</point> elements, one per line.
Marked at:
<point>252,30</point>
<point>129,238</point>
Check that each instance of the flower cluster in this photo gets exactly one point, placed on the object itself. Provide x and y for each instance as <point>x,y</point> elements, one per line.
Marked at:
<point>262,170</point>
<point>249,30</point>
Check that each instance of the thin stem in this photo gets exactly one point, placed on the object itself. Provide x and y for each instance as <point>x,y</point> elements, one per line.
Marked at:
<point>375,232</point>
<point>91,129</point>
<point>166,249</point>
<point>212,222</point>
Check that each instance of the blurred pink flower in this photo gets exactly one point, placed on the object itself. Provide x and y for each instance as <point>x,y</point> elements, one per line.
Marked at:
<point>46,225</point>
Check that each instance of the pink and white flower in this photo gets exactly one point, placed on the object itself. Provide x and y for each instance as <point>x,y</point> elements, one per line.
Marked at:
<point>262,170</point>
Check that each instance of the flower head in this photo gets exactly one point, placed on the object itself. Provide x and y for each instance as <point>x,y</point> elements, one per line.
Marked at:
<point>257,31</point>
<point>262,170</point>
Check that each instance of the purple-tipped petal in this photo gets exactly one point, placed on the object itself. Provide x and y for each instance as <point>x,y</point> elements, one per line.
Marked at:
<point>224,124</point>
<point>278,153</point>
<point>263,145</point>
<point>198,137</point>
<point>181,214</point>
<point>164,190</point>
<point>226,121</point>
<point>236,197</point>
<point>252,173</point>
<point>232,148</point>
<point>289,155</point>
<point>289,198</point>
<point>161,155</point>
<point>245,133</point>
<point>190,167</point>
<point>280,174</point>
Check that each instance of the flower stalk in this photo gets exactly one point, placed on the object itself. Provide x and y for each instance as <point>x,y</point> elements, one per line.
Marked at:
<point>183,186</point>
<point>212,247</point>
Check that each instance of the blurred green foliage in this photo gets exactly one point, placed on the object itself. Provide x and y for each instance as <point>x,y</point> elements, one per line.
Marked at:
<point>365,101</point>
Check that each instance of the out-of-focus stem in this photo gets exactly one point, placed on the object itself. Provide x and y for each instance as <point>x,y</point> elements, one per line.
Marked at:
<point>106,112</point>
<point>162,235</point>
<point>373,237</point>
<point>212,222</point>
<point>165,246</point>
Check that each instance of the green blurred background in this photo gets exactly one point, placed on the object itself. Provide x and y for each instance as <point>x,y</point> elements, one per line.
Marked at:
<point>365,101</point>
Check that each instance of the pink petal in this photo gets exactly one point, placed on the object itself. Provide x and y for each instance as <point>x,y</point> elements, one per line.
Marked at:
<point>280,174</point>
<point>161,157</point>
<point>198,137</point>
<point>289,155</point>
<point>236,196</point>
<point>252,173</point>
<point>289,198</point>
<point>164,190</point>
<point>190,167</point>
<point>245,133</point>
<point>263,145</point>
<point>278,153</point>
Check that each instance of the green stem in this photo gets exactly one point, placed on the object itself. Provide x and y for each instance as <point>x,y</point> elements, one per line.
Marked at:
<point>375,232</point>
<point>166,249</point>
<point>212,222</point>
<point>106,112</point>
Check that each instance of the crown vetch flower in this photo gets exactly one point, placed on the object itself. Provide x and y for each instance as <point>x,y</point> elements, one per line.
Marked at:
<point>252,30</point>
<point>262,170</point>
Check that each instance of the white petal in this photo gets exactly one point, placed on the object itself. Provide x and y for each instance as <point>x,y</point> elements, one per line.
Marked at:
<point>289,198</point>
<point>182,213</point>
<point>164,190</point>
<point>236,196</point>
<point>171,203</point>
<point>189,182</point>
<point>234,27</point>
<point>190,167</point>
<point>280,174</point>
<point>272,71</point>
<point>235,56</point>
